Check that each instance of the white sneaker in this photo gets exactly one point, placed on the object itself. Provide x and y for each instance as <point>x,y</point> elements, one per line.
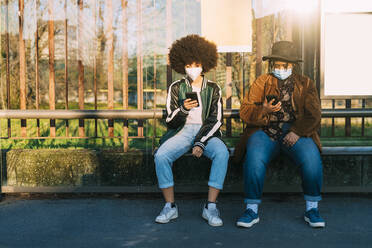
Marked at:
<point>167,214</point>
<point>212,216</point>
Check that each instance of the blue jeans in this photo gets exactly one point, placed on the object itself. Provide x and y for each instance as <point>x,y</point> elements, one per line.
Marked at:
<point>261,150</point>
<point>181,143</point>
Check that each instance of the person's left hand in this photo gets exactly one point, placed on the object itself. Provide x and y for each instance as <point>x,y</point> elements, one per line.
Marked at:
<point>290,139</point>
<point>197,151</point>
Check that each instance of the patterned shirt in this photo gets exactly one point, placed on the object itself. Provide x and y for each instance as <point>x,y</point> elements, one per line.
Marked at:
<point>285,114</point>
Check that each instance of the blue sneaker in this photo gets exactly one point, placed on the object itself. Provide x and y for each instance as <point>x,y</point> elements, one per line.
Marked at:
<point>313,218</point>
<point>248,219</point>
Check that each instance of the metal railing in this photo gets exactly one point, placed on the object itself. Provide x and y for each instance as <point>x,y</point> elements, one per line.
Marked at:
<point>141,115</point>
<point>146,114</point>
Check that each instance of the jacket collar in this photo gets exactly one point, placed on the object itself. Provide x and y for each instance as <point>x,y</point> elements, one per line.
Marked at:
<point>204,82</point>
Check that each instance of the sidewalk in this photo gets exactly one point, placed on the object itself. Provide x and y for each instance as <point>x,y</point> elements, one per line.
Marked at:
<point>129,222</point>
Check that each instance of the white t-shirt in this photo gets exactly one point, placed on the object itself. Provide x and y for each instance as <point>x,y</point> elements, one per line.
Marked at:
<point>195,114</point>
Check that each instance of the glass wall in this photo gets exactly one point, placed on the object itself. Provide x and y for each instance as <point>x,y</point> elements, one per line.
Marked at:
<point>112,54</point>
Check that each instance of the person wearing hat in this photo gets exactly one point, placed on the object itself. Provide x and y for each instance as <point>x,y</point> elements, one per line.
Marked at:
<point>283,113</point>
<point>193,123</point>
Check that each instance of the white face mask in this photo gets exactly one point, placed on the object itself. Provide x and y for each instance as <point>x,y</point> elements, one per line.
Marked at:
<point>193,72</point>
<point>282,74</point>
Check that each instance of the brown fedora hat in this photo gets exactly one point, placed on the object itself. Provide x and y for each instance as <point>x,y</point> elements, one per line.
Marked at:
<point>284,51</point>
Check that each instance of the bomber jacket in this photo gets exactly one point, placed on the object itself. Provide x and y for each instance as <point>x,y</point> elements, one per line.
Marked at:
<point>212,115</point>
<point>305,102</point>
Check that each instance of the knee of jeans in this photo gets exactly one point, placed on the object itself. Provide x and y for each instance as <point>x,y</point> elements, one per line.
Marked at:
<point>222,155</point>
<point>311,168</point>
<point>160,158</point>
<point>255,166</point>
<point>254,160</point>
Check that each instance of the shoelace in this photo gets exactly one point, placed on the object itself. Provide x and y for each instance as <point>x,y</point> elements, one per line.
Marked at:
<point>315,213</point>
<point>248,212</point>
<point>215,212</point>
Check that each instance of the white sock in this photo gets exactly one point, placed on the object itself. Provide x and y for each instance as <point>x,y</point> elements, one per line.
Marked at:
<point>211,205</point>
<point>254,207</point>
<point>168,204</point>
<point>311,204</point>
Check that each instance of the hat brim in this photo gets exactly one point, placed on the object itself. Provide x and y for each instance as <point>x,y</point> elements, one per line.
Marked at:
<point>275,57</point>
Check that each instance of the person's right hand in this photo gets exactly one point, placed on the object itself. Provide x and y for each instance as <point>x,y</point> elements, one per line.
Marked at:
<point>189,104</point>
<point>269,108</point>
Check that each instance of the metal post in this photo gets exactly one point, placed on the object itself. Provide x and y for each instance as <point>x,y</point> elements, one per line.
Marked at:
<point>37,87</point>
<point>110,65</point>
<point>22,67</point>
<point>347,119</point>
<point>66,66</point>
<point>139,65</point>
<point>169,38</point>
<point>95,65</point>
<point>80,65</point>
<point>7,64</point>
<point>51,66</point>
<point>124,56</point>
<point>228,90</point>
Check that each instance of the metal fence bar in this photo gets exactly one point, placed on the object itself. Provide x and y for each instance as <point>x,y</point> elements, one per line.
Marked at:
<point>80,65</point>
<point>333,119</point>
<point>169,34</point>
<point>363,121</point>
<point>110,64</point>
<point>22,66</point>
<point>52,83</point>
<point>7,63</point>
<point>139,64</point>
<point>37,87</point>
<point>66,64</point>
<point>228,87</point>
<point>125,83</point>
<point>347,119</point>
<point>357,112</point>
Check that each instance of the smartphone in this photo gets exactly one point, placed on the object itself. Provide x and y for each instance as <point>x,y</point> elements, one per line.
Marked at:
<point>271,97</point>
<point>192,96</point>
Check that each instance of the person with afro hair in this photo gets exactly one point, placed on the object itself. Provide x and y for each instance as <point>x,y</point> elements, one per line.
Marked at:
<point>194,117</point>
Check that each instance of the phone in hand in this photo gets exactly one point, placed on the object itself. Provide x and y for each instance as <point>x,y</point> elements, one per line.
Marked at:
<point>271,97</point>
<point>193,96</point>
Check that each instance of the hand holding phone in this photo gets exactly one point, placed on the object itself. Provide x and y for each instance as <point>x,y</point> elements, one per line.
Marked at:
<point>193,96</point>
<point>271,97</point>
<point>191,101</point>
<point>272,104</point>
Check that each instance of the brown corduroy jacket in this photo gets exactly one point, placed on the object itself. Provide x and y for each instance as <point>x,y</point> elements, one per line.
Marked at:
<point>305,102</point>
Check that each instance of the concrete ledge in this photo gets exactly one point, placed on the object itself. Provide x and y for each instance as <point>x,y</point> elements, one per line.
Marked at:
<point>79,170</point>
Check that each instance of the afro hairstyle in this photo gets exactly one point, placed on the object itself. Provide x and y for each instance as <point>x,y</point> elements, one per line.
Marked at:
<point>193,48</point>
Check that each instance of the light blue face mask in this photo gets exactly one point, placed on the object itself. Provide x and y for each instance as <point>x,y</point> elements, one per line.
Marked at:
<point>282,74</point>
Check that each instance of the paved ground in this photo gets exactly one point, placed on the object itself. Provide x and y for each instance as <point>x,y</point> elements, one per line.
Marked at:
<point>129,222</point>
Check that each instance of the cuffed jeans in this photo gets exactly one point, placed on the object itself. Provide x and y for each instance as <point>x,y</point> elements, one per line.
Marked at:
<point>181,143</point>
<point>260,151</point>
